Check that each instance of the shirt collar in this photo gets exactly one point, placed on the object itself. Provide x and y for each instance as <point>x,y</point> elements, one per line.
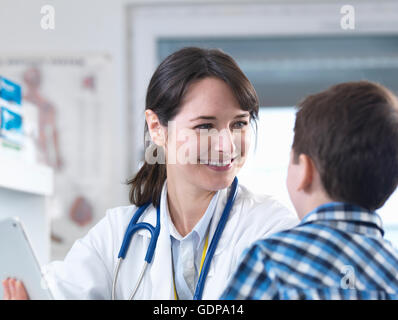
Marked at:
<point>351,214</point>
<point>200,228</point>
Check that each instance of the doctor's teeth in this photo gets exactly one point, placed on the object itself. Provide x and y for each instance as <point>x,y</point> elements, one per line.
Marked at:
<point>219,164</point>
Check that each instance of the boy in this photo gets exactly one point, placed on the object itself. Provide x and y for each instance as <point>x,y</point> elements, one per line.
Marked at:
<point>343,166</point>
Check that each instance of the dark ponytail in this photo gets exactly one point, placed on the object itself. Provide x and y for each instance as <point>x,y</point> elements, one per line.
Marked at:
<point>147,184</point>
<point>166,90</point>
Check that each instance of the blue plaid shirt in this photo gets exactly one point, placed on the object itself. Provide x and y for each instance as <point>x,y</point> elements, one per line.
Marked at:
<point>336,252</point>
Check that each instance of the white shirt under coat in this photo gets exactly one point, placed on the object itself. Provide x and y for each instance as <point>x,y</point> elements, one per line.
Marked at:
<point>187,251</point>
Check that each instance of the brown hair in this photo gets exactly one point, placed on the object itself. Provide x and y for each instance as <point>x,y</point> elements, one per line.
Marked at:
<point>165,92</point>
<point>350,131</point>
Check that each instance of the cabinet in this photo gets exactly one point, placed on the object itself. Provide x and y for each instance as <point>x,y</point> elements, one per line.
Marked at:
<point>24,188</point>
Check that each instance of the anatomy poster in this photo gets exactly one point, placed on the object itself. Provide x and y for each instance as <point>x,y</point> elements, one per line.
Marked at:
<point>68,97</point>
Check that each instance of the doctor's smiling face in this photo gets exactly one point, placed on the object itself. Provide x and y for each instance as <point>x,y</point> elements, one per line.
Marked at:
<point>207,141</point>
<point>199,109</point>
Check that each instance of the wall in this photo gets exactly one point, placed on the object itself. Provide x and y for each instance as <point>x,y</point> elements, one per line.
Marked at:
<point>80,27</point>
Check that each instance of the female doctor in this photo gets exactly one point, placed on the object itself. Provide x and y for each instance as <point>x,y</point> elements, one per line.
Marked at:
<point>199,107</point>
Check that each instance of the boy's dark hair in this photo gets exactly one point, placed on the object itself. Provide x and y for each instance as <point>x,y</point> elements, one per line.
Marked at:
<point>350,131</point>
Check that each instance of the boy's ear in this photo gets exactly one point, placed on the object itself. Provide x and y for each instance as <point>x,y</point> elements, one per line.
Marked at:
<point>154,127</point>
<point>306,173</point>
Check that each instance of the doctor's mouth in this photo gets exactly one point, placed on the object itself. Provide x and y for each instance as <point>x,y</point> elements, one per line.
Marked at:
<point>220,166</point>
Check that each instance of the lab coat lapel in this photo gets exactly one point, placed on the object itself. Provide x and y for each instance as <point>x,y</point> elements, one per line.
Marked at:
<point>161,269</point>
<point>224,239</point>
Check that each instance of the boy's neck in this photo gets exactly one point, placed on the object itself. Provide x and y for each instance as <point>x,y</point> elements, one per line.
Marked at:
<point>311,203</point>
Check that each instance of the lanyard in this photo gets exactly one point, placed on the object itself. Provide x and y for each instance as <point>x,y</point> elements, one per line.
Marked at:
<point>201,265</point>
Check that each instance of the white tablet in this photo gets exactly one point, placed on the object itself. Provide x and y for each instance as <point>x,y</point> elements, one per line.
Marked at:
<point>17,260</point>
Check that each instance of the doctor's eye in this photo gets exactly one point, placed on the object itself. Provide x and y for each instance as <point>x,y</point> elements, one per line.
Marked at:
<point>205,126</point>
<point>240,124</point>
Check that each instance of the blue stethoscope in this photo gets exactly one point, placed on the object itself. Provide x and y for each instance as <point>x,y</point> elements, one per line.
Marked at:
<point>154,231</point>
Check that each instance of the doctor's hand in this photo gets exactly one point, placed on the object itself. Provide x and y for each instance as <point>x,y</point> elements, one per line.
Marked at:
<point>14,290</point>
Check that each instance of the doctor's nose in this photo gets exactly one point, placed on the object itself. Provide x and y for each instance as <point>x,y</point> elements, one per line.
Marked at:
<point>225,143</point>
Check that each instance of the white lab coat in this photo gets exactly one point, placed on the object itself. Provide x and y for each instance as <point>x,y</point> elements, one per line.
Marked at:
<point>87,270</point>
